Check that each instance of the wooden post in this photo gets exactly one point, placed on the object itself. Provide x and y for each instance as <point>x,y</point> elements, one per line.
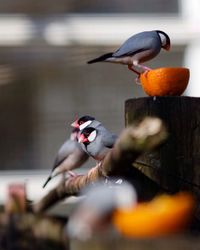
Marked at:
<point>175,165</point>
<point>118,243</point>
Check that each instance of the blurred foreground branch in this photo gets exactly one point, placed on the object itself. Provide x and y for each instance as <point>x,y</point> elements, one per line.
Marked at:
<point>29,231</point>
<point>132,142</point>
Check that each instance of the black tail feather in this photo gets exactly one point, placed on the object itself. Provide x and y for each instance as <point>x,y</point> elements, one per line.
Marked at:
<point>48,179</point>
<point>101,58</point>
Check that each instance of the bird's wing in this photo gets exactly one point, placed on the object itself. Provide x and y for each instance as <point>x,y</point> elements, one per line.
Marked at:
<point>108,139</point>
<point>66,149</point>
<point>48,179</point>
<point>137,43</point>
<point>101,58</point>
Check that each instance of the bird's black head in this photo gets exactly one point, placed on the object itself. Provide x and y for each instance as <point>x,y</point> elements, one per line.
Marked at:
<point>165,40</point>
<point>87,135</point>
<point>83,122</point>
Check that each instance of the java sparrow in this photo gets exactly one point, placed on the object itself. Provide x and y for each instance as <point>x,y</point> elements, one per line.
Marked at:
<point>94,212</point>
<point>137,49</point>
<point>85,121</point>
<point>97,141</point>
<point>70,156</point>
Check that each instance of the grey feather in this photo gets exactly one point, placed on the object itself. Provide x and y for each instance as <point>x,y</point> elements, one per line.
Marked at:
<point>65,150</point>
<point>147,40</point>
<point>138,48</point>
<point>107,138</point>
<point>70,156</point>
<point>102,144</point>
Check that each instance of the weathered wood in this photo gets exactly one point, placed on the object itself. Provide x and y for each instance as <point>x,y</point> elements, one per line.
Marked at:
<point>29,231</point>
<point>175,165</point>
<point>119,243</point>
<point>22,230</point>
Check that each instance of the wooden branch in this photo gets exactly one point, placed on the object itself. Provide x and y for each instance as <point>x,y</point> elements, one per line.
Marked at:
<point>19,228</point>
<point>29,231</point>
<point>132,142</point>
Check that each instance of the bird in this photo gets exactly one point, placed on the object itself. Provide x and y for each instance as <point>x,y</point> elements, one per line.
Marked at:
<point>70,156</point>
<point>94,212</point>
<point>85,121</point>
<point>97,142</point>
<point>89,121</point>
<point>139,48</point>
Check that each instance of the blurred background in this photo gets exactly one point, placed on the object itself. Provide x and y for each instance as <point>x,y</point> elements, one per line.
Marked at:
<point>45,82</point>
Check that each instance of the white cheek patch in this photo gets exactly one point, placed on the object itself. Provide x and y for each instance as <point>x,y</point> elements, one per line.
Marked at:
<point>163,39</point>
<point>84,125</point>
<point>92,136</point>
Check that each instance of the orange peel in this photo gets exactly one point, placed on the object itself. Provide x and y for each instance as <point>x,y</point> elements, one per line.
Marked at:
<point>165,81</point>
<point>164,215</point>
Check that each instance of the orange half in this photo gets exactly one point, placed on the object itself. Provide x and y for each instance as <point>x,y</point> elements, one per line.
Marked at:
<point>165,81</point>
<point>164,215</point>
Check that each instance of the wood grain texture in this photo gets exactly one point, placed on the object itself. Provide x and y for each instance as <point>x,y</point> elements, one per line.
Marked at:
<point>176,165</point>
<point>118,243</point>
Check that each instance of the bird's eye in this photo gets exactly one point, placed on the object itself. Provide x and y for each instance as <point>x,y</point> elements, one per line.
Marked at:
<point>81,122</point>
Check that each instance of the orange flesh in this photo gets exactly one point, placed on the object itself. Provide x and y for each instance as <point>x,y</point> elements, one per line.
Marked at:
<point>165,81</point>
<point>163,215</point>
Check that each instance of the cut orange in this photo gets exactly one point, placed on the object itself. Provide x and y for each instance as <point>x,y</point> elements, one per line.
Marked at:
<point>163,215</point>
<point>165,81</point>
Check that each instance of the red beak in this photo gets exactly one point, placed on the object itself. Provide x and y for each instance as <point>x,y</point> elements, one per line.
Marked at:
<point>75,124</point>
<point>82,138</point>
<point>167,47</point>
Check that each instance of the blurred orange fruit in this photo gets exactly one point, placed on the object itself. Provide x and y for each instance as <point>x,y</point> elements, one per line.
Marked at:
<point>163,215</point>
<point>165,81</point>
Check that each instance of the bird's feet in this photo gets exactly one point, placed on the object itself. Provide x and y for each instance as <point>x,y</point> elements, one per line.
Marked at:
<point>138,68</point>
<point>145,68</point>
<point>130,67</point>
<point>71,174</point>
<point>137,80</point>
<point>99,163</point>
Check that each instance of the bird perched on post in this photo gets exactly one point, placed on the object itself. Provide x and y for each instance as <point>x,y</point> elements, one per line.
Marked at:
<point>137,49</point>
<point>70,156</point>
<point>97,142</point>
<point>85,121</point>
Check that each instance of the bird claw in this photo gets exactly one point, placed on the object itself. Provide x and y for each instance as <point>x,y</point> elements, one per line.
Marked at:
<point>99,164</point>
<point>146,69</point>
<point>71,174</point>
<point>137,80</point>
<point>130,67</point>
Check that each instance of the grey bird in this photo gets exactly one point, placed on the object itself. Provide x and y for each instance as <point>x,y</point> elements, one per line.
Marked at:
<point>93,214</point>
<point>137,49</point>
<point>70,156</point>
<point>97,142</point>
<point>85,121</point>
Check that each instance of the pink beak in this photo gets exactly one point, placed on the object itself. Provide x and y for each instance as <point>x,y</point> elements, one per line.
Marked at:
<point>82,138</point>
<point>75,124</point>
<point>167,47</point>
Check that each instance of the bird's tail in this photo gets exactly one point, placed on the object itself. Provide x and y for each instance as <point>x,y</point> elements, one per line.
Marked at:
<point>48,179</point>
<point>101,58</point>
